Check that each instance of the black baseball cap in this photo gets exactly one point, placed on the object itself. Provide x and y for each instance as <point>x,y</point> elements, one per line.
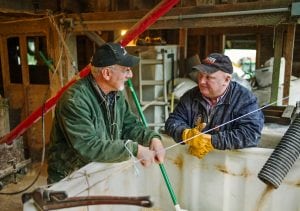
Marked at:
<point>214,62</point>
<point>113,53</point>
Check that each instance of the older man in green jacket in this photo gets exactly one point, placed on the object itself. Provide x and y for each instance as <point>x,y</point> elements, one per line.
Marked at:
<point>93,120</point>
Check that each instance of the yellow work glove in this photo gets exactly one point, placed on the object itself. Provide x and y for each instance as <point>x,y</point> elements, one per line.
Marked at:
<point>199,143</point>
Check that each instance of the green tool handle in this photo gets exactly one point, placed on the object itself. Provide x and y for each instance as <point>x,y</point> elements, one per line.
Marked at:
<point>136,101</point>
<point>48,62</point>
<point>167,181</point>
<point>161,166</point>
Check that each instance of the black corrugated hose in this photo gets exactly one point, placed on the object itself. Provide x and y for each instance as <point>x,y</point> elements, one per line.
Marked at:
<point>283,157</point>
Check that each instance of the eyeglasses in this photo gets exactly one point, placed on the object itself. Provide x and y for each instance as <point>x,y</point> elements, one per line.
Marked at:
<point>123,69</point>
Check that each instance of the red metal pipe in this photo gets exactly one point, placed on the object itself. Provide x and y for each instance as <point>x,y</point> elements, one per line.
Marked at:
<point>158,11</point>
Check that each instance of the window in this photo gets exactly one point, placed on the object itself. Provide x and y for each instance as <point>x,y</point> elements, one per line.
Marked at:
<point>14,60</point>
<point>243,61</point>
<point>37,59</point>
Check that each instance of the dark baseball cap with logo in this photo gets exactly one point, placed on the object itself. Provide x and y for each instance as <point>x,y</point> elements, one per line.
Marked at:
<point>113,53</point>
<point>214,62</point>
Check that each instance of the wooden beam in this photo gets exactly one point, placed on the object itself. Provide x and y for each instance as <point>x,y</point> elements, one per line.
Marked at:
<point>225,21</point>
<point>4,64</point>
<point>176,23</point>
<point>288,54</point>
<point>241,30</point>
<point>24,26</point>
<point>258,51</point>
<point>93,36</point>
<point>222,42</point>
<point>183,41</point>
<point>183,49</point>
<point>276,65</point>
<point>263,7</point>
<point>242,14</point>
<point>24,63</point>
<point>207,45</point>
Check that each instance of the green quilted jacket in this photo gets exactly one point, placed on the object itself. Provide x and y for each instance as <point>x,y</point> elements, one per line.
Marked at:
<point>85,130</point>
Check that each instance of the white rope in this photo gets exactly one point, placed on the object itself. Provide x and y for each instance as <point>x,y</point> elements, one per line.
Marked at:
<point>133,158</point>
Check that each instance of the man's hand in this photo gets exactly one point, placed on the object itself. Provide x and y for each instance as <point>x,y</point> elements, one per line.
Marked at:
<point>199,143</point>
<point>159,150</point>
<point>145,155</point>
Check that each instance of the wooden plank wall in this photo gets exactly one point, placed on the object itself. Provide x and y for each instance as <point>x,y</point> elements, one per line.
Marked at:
<point>24,98</point>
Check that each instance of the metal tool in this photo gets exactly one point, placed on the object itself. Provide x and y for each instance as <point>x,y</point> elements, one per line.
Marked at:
<point>50,200</point>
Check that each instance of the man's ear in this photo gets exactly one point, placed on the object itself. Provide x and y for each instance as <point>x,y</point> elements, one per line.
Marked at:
<point>106,73</point>
<point>228,78</point>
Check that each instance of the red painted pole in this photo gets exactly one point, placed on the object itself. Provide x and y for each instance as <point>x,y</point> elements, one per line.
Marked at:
<point>158,11</point>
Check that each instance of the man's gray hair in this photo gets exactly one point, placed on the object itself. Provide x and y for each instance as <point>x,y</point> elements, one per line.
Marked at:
<point>96,70</point>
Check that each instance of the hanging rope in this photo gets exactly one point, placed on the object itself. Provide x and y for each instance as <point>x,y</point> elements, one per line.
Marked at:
<point>62,40</point>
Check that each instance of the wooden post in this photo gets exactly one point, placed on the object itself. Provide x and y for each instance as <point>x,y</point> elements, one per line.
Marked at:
<point>288,54</point>
<point>258,51</point>
<point>222,41</point>
<point>183,50</point>
<point>207,49</point>
<point>276,64</point>
<point>4,116</point>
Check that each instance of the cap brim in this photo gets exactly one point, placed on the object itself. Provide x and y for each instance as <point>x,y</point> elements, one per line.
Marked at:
<point>205,68</point>
<point>129,61</point>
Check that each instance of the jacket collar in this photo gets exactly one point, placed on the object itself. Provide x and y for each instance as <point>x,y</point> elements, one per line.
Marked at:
<point>99,92</point>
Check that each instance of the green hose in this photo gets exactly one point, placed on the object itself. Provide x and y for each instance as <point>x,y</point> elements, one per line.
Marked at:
<point>161,166</point>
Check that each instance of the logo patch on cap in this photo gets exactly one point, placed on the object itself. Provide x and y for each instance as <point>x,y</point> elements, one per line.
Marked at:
<point>215,62</point>
<point>124,50</point>
<point>209,60</point>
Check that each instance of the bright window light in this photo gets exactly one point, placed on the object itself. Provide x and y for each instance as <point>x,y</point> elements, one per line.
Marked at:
<point>243,61</point>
